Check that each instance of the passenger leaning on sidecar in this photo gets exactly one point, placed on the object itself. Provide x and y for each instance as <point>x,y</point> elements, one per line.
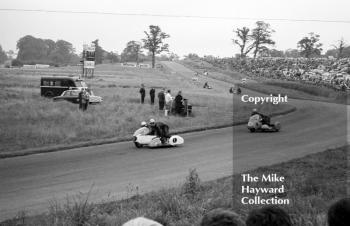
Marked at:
<point>265,120</point>
<point>159,129</point>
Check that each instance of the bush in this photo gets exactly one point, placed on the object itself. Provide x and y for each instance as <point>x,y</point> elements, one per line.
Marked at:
<point>192,184</point>
<point>16,63</point>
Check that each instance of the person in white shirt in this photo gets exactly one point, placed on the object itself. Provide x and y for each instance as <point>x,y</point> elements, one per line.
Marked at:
<point>168,101</point>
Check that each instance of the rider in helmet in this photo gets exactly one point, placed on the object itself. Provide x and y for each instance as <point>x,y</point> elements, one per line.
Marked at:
<point>264,118</point>
<point>144,130</point>
<point>159,129</point>
<point>255,112</point>
<point>239,91</point>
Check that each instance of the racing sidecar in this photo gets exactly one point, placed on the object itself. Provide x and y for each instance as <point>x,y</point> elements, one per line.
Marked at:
<point>141,139</point>
<point>255,124</point>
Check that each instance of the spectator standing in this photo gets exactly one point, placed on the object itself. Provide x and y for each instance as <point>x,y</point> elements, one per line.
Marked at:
<point>221,217</point>
<point>268,216</point>
<point>168,101</point>
<point>178,103</point>
<point>152,94</point>
<point>86,98</point>
<point>80,96</point>
<point>339,213</point>
<point>143,93</point>
<point>161,98</point>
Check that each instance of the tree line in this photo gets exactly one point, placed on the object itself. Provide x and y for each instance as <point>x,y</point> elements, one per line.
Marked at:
<point>33,50</point>
<point>258,40</point>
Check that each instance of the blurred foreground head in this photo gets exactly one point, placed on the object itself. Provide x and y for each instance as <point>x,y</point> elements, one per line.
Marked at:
<point>268,216</point>
<point>141,221</point>
<point>221,217</point>
<point>339,213</point>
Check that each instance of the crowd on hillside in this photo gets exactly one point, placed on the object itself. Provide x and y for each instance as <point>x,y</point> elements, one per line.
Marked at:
<point>320,71</point>
<point>338,215</point>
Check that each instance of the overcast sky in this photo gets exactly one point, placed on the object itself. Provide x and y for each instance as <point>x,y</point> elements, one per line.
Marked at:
<point>204,36</point>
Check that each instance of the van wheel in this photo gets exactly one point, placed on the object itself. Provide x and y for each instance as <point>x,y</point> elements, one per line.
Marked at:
<point>49,94</point>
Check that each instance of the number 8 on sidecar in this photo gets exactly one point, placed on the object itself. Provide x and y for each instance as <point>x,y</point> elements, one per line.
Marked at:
<point>141,139</point>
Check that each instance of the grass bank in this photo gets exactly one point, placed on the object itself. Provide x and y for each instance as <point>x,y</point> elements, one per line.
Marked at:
<point>30,121</point>
<point>299,91</point>
<point>312,184</point>
<point>292,89</point>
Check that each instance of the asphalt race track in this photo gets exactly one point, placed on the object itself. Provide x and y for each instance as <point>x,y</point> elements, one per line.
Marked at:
<point>113,171</point>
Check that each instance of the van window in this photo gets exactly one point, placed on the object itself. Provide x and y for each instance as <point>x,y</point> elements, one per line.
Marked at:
<point>64,83</point>
<point>71,83</point>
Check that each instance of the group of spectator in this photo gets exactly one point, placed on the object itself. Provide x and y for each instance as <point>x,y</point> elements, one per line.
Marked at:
<point>165,100</point>
<point>338,215</point>
<point>332,73</point>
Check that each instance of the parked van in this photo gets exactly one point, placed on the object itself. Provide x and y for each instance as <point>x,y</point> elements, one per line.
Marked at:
<point>55,86</point>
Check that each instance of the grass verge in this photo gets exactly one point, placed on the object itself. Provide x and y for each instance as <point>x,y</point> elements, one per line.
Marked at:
<point>299,90</point>
<point>30,121</point>
<point>312,184</point>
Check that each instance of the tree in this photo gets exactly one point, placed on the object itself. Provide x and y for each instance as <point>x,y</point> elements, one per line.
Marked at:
<point>3,56</point>
<point>31,49</point>
<point>310,46</point>
<point>112,57</point>
<point>242,40</point>
<point>261,36</point>
<point>340,48</point>
<point>132,51</point>
<point>154,42</point>
<point>50,46</point>
<point>271,53</point>
<point>335,52</point>
<point>10,54</point>
<point>62,52</point>
<point>292,53</point>
<point>99,52</point>
<point>173,56</point>
<point>192,56</point>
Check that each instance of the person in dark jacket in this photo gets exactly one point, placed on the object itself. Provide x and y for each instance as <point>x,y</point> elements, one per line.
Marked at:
<point>178,103</point>
<point>161,98</point>
<point>80,96</point>
<point>143,93</point>
<point>85,99</point>
<point>159,129</point>
<point>339,213</point>
<point>221,217</point>
<point>268,216</point>
<point>152,94</point>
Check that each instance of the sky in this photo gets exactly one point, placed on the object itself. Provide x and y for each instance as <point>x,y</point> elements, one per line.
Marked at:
<point>197,34</point>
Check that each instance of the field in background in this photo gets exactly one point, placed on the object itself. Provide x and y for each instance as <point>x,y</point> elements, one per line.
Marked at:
<point>313,183</point>
<point>292,89</point>
<point>201,66</point>
<point>29,120</point>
